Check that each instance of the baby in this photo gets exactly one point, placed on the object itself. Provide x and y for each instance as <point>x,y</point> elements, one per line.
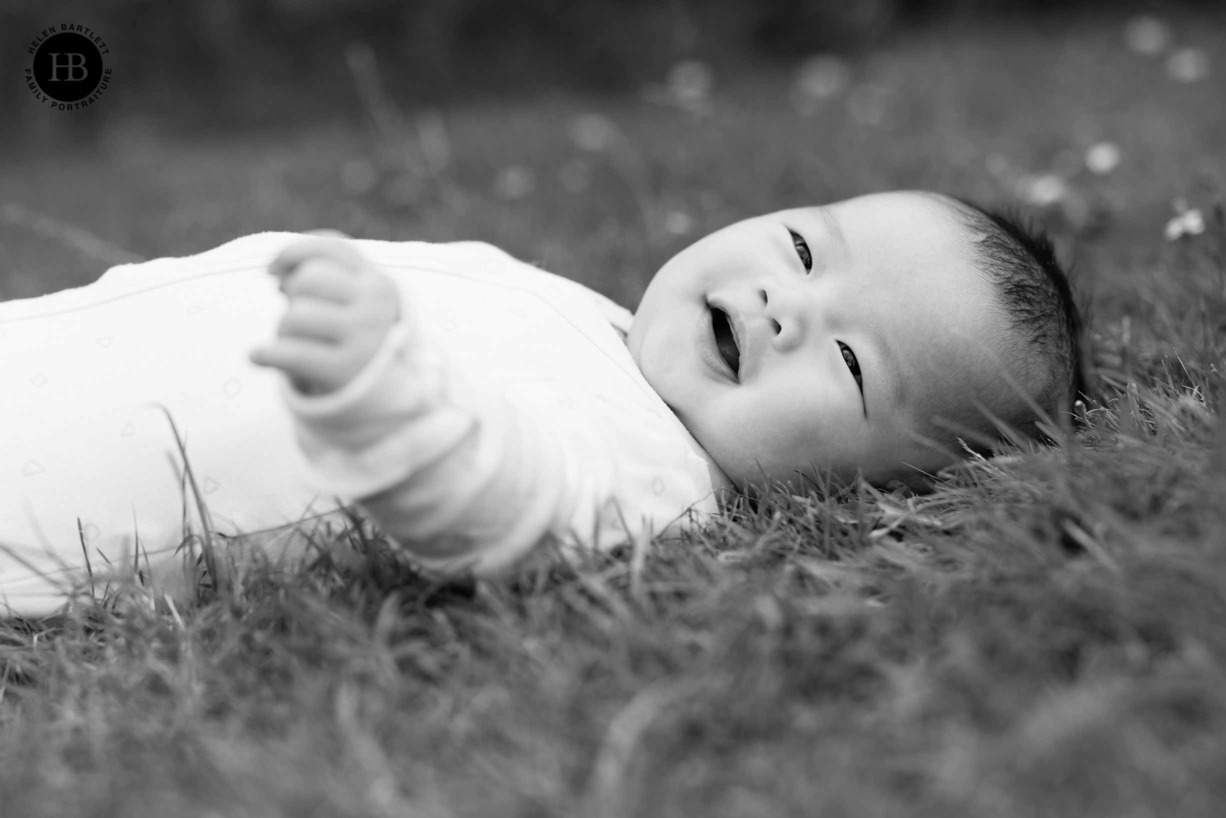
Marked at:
<point>475,406</point>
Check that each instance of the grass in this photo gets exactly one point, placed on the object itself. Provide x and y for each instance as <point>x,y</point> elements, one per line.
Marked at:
<point>1040,636</point>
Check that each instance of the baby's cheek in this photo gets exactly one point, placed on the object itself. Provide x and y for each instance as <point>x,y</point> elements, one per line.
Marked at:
<point>746,433</point>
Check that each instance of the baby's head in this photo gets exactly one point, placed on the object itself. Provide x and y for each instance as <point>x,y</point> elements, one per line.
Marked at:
<point>870,335</point>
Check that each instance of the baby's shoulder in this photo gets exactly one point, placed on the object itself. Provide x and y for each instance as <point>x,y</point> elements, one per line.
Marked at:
<point>246,252</point>
<point>473,260</point>
<point>462,256</point>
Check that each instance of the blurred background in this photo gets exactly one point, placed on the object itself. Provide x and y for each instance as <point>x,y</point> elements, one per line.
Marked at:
<point>597,137</point>
<point>219,65</point>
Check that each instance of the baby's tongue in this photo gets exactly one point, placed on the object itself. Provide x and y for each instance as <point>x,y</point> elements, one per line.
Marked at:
<point>727,348</point>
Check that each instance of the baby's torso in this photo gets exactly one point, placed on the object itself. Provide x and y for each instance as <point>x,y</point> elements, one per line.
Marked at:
<point>94,376</point>
<point>511,322</point>
<point>147,332</point>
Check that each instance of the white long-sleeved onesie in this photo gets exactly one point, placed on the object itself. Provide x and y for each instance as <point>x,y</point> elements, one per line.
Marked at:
<point>504,408</point>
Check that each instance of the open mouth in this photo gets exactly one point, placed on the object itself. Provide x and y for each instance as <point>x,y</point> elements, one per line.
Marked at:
<point>725,339</point>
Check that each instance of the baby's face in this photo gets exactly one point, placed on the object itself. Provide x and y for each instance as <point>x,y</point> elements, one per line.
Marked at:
<point>820,337</point>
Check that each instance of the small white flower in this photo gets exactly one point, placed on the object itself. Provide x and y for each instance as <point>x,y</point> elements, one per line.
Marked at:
<point>593,132</point>
<point>1187,223</point>
<point>823,76</point>
<point>1043,190</point>
<point>515,182</point>
<point>691,81</point>
<point>1103,157</point>
<point>678,223</point>
<point>1147,35</point>
<point>1188,65</point>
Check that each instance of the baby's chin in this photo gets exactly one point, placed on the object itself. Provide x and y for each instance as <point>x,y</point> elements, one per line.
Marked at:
<point>797,480</point>
<point>917,473</point>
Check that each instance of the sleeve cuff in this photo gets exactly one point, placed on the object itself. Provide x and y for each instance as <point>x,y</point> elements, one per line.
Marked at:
<point>346,399</point>
<point>396,416</point>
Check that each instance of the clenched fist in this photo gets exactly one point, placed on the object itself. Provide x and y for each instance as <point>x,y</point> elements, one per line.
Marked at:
<point>340,309</point>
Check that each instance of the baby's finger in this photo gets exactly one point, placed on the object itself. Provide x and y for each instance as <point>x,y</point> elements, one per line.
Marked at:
<point>290,355</point>
<point>321,279</point>
<point>310,318</point>
<point>338,250</point>
<point>308,364</point>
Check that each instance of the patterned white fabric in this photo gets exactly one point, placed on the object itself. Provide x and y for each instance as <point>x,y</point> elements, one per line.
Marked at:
<point>503,409</point>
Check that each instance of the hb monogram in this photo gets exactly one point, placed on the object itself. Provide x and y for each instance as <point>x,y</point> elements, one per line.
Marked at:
<point>67,71</point>
<point>72,64</point>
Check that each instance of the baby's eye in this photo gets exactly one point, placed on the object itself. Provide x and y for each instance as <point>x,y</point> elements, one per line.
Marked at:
<point>802,249</point>
<point>849,358</point>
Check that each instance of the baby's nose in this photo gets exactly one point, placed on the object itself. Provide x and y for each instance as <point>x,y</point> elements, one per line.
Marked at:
<point>786,314</point>
<point>764,299</point>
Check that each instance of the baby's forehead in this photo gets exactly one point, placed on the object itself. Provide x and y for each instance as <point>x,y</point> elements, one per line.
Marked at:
<point>933,210</point>
<point>908,220</point>
<point>907,229</point>
<point>905,244</point>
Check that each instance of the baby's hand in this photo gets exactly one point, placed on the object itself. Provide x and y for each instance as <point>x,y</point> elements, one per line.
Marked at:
<point>340,309</point>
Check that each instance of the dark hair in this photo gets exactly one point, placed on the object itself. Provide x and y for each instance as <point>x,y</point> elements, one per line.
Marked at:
<point>1035,293</point>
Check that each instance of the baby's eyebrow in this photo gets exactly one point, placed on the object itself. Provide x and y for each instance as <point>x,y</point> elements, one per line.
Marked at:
<point>836,230</point>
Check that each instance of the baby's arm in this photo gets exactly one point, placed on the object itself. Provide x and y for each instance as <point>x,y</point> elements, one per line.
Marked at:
<point>457,470</point>
<point>445,480</point>
<point>340,310</point>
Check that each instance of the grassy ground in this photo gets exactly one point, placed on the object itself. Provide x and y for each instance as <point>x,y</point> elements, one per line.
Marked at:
<point>1038,637</point>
